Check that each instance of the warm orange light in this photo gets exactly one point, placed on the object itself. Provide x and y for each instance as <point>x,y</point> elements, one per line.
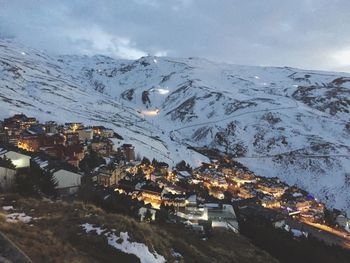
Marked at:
<point>25,146</point>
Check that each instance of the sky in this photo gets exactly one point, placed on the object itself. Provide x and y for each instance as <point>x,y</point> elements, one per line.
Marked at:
<point>311,34</point>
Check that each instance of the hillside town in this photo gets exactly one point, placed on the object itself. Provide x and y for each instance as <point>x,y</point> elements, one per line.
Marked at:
<point>93,163</point>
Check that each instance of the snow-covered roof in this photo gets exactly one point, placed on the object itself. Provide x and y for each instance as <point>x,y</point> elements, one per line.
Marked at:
<point>211,205</point>
<point>184,174</point>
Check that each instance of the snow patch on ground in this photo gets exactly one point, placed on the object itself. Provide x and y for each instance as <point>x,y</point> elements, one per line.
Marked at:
<point>295,232</point>
<point>123,244</point>
<point>18,217</point>
<point>176,254</point>
<point>298,233</point>
<point>7,208</point>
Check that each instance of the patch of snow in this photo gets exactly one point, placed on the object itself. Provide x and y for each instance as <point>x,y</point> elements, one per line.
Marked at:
<point>107,160</point>
<point>123,244</point>
<point>18,217</point>
<point>7,208</point>
<point>297,194</point>
<point>138,249</point>
<point>298,233</point>
<point>287,228</point>
<point>176,254</point>
<point>184,174</point>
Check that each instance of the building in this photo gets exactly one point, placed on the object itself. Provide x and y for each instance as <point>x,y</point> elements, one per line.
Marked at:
<point>15,125</point>
<point>55,151</point>
<point>269,201</point>
<point>51,127</point>
<point>170,187</point>
<point>129,152</point>
<point>271,186</point>
<point>71,137</point>
<point>34,142</point>
<point>103,132</point>
<point>193,213</point>
<point>73,154</point>
<point>67,182</point>
<point>183,175</point>
<point>126,187</point>
<point>217,193</point>
<point>85,134</point>
<point>107,133</point>
<point>37,129</point>
<point>243,178</point>
<point>222,216</point>
<point>108,176</point>
<point>258,212</point>
<point>247,191</point>
<point>7,178</point>
<point>73,126</point>
<point>19,160</point>
<point>299,204</point>
<point>175,200</point>
<point>143,210</point>
<point>102,146</point>
<point>4,139</point>
<point>192,200</point>
<point>151,194</point>
<point>29,142</point>
<point>19,121</point>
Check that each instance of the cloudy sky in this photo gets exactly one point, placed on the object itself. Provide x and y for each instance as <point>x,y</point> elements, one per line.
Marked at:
<point>299,33</point>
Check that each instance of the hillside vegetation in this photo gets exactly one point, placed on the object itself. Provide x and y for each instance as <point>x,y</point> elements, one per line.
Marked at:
<point>52,232</point>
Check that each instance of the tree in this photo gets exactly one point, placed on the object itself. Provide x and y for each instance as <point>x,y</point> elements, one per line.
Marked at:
<point>145,161</point>
<point>5,162</point>
<point>90,161</point>
<point>147,216</point>
<point>162,214</point>
<point>38,182</point>
<point>43,180</point>
<point>154,162</point>
<point>183,166</point>
<point>48,184</point>
<point>25,185</point>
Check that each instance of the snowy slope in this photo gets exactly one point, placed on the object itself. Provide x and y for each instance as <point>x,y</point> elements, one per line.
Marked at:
<point>42,86</point>
<point>285,122</point>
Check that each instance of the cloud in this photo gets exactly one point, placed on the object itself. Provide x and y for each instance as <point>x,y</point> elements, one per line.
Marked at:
<point>300,33</point>
<point>97,41</point>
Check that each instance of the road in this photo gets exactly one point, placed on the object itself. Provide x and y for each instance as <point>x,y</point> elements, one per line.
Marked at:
<point>325,233</point>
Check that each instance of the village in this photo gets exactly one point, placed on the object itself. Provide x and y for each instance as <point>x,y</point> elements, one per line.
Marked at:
<point>85,161</point>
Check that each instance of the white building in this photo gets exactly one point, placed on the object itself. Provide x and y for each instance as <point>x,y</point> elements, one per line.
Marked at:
<point>143,211</point>
<point>68,182</point>
<point>107,133</point>
<point>222,216</point>
<point>85,134</point>
<point>7,178</point>
<point>18,159</point>
<point>193,214</point>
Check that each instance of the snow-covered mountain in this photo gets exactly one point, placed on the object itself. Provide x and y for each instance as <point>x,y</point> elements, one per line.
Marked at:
<point>285,122</point>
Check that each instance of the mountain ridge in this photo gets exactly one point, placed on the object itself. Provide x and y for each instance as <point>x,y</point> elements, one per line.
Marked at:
<point>278,121</point>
